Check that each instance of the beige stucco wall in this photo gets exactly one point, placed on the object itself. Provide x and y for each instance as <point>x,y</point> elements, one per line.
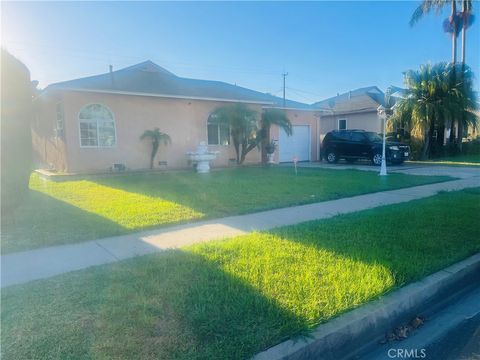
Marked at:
<point>184,120</point>
<point>302,117</point>
<point>49,150</point>
<point>365,121</point>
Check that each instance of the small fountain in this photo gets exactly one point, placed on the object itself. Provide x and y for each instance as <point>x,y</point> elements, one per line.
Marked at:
<point>201,157</point>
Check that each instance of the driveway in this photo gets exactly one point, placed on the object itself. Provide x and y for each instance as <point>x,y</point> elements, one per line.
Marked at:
<point>462,172</point>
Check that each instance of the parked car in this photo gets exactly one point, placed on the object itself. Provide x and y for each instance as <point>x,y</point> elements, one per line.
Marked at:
<point>352,145</point>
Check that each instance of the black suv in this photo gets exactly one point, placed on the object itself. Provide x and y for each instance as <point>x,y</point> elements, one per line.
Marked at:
<point>359,144</point>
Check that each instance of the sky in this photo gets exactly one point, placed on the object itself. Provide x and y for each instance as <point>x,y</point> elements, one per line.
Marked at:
<point>325,47</point>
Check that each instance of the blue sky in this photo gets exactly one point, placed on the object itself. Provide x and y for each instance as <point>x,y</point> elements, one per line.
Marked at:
<point>326,47</point>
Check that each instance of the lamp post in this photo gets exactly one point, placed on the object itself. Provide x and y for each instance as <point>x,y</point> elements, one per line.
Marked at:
<point>385,112</point>
<point>381,110</point>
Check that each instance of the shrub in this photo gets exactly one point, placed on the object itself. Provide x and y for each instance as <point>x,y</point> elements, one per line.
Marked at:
<point>16,143</point>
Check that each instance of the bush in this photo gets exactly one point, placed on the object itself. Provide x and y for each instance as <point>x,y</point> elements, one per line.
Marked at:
<point>472,147</point>
<point>16,142</point>
<point>416,146</point>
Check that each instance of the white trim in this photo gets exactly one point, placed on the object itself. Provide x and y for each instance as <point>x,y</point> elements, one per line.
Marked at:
<point>163,95</point>
<point>96,121</point>
<point>346,124</point>
<point>290,108</point>
<point>218,131</point>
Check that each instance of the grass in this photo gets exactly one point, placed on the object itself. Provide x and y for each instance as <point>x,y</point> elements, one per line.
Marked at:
<point>72,211</point>
<point>234,298</point>
<point>469,160</point>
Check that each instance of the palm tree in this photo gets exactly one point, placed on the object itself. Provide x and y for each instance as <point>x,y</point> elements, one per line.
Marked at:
<point>157,137</point>
<point>272,117</point>
<point>451,24</point>
<point>243,124</point>
<point>466,21</point>
<point>435,95</point>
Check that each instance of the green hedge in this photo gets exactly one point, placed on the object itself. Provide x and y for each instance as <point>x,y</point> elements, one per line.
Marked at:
<point>16,142</point>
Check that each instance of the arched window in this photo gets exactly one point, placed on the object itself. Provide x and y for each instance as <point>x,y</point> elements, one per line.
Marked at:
<point>97,126</point>
<point>217,133</point>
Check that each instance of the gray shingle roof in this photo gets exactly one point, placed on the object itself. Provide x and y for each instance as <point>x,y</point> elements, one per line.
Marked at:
<point>358,100</point>
<point>150,79</point>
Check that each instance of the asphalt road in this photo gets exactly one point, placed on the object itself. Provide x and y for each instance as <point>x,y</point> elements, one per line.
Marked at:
<point>462,343</point>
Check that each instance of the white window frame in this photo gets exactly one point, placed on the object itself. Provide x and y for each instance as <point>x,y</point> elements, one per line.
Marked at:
<point>59,121</point>
<point>218,133</point>
<point>98,146</point>
<point>346,124</point>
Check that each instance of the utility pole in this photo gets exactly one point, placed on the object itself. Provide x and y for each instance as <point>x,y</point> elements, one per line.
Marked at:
<point>284,76</point>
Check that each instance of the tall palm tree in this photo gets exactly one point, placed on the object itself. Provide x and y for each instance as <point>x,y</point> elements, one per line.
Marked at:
<point>428,6</point>
<point>467,20</point>
<point>157,137</point>
<point>454,24</point>
<point>272,117</point>
<point>436,94</point>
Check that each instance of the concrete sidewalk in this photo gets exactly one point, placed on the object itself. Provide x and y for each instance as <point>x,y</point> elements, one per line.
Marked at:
<point>22,267</point>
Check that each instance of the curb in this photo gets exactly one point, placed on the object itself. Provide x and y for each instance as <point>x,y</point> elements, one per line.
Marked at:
<point>349,334</point>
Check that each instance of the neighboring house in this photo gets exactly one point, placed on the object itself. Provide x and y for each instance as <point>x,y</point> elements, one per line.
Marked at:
<point>92,123</point>
<point>356,109</point>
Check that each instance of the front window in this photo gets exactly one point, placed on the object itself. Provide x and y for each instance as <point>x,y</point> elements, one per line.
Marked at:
<point>97,126</point>
<point>218,134</point>
<point>60,119</point>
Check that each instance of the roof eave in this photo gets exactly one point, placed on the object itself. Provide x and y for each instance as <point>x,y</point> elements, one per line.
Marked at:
<point>132,93</point>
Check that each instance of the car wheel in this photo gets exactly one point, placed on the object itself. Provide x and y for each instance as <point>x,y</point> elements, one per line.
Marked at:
<point>377,159</point>
<point>351,161</point>
<point>331,157</point>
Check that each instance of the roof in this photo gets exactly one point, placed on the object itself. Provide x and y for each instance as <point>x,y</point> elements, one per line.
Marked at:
<point>150,79</point>
<point>359,100</point>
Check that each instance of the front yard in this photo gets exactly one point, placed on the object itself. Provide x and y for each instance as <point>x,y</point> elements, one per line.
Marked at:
<point>72,211</point>
<point>233,298</point>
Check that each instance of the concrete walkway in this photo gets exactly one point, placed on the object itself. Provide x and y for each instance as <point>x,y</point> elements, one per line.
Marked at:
<point>22,267</point>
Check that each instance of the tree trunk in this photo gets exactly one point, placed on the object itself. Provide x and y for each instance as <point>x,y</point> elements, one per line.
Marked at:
<point>426,145</point>
<point>460,135</point>
<point>464,31</point>
<point>454,32</point>
<point>464,37</point>
<point>154,153</point>
<point>265,142</point>
<point>236,145</point>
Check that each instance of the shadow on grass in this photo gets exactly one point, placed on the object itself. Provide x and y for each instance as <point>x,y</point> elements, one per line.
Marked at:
<point>174,305</point>
<point>245,190</point>
<point>41,221</point>
<point>232,299</point>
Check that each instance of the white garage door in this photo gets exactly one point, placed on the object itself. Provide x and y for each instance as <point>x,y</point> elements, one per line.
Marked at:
<point>298,144</point>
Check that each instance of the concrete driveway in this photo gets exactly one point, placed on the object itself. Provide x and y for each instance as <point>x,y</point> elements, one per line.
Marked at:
<point>462,172</point>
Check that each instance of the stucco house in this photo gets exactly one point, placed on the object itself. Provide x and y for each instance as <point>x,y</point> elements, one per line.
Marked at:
<point>90,124</point>
<point>356,109</point>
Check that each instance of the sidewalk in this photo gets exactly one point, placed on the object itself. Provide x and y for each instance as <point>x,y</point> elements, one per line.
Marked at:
<point>22,267</point>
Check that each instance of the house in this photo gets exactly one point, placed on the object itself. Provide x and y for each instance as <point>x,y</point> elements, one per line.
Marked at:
<point>90,124</point>
<point>356,109</point>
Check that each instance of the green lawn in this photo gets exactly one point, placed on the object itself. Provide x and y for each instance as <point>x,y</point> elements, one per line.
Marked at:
<point>469,160</point>
<point>72,211</point>
<point>472,158</point>
<point>234,298</point>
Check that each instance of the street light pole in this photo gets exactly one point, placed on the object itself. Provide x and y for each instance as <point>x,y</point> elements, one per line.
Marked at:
<point>383,167</point>
<point>382,112</point>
